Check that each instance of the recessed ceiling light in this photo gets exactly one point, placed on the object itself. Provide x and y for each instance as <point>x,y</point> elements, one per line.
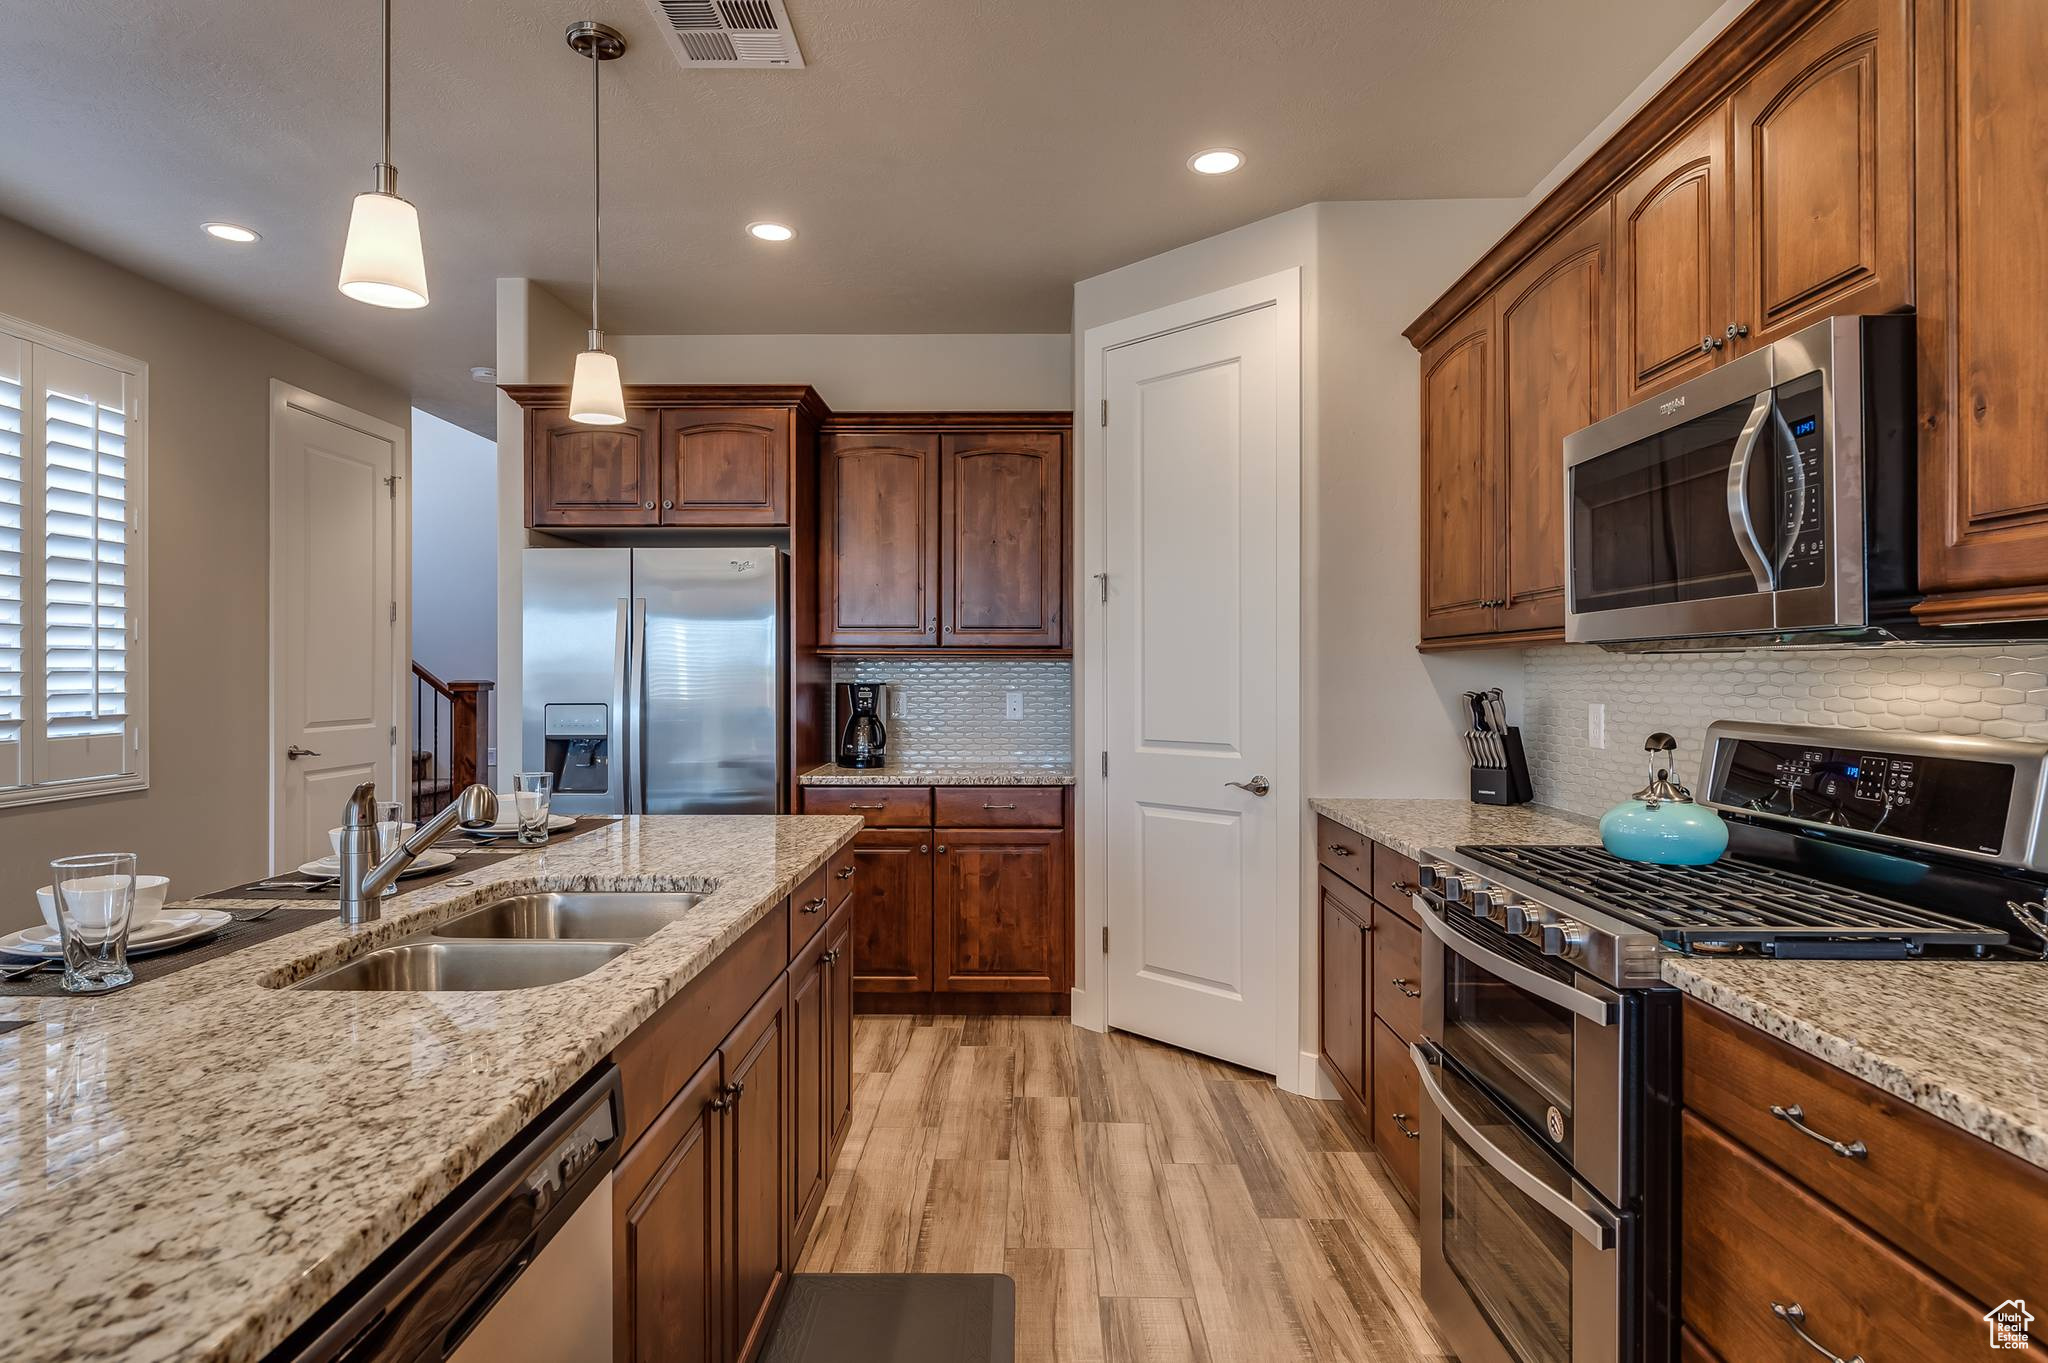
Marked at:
<point>229,231</point>
<point>1216,161</point>
<point>483,373</point>
<point>770,231</point>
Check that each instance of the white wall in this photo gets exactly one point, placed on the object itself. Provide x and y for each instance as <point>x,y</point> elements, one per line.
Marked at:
<point>454,551</point>
<point>870,373</point>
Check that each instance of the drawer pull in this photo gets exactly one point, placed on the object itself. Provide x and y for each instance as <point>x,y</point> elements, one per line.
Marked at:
<point>1794,1317</point>
<point>1338,849</point>
<point>999,806</point>
<point>854,806</point>
<point>1402,987</point>
<point>1407,888</point>
<point>815,905</point>
<point>1795,1116</point>
<point>843,873</point>
<point>1401,1125</point>
<point>831,957</point>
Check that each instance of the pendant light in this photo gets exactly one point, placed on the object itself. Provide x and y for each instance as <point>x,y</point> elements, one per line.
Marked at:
<point>382,263</point>
<point>595,397</point>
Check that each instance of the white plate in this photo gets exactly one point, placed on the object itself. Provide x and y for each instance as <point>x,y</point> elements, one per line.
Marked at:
<point>504,829</point>
<point>427,862</point>
<point>172,928</point>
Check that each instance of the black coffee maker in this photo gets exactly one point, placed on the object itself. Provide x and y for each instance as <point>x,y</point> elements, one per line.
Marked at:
<point>863,738</point>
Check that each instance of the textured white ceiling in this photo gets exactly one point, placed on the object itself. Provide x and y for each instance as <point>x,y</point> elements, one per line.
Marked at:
<point>950,165</point>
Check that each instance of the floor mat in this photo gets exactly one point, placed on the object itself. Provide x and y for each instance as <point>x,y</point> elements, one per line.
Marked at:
<point>896,1318</point>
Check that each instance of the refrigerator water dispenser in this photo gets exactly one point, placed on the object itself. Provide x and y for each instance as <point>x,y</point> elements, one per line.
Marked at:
<point>578,751</point>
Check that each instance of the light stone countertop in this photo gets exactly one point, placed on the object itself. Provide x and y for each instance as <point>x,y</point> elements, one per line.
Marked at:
<point>191,1167</point>
<point>1408,826</point>
<point>943,774</point>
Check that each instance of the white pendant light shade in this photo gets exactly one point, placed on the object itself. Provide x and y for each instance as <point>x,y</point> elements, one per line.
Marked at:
<point>595,397</point>
<point>382,263</point>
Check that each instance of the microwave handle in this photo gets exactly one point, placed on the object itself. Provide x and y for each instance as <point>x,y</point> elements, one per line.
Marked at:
<point>1739,519</point>
<point>1595,1225</point>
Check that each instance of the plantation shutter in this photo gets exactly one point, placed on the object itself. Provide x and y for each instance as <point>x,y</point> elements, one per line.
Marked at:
<point>13,488</point>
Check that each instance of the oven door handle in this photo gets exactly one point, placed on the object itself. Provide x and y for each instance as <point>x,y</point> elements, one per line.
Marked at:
<point>1600,1011</point>
<point>1739,519</point>
<point>1595,1225</point>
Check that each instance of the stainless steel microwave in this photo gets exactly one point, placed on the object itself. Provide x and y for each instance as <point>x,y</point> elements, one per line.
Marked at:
<point>1768,501</point>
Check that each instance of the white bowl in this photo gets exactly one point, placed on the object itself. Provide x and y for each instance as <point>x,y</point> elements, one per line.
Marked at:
<point>334,837</point>
<point>150,893</point>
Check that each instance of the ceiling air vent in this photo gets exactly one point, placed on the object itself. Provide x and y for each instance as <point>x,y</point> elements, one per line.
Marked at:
<point>731,33</point>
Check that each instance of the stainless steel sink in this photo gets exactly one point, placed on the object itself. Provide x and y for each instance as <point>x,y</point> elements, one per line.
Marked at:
<point>446,966</point>
<point>573,917</point>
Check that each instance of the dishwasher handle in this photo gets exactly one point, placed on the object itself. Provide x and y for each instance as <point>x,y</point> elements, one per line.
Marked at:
<point>419,1307</point>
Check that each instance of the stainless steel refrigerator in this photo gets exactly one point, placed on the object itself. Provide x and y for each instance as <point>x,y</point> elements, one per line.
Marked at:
<point>656,680</point>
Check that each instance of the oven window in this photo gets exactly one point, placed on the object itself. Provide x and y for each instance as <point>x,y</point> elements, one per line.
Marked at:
<point>1514,1258</point>
<point>1517,1045</point>
<point>1650,520</point>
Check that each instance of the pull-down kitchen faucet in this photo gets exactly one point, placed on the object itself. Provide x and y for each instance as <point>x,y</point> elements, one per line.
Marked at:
<point>363,877</point>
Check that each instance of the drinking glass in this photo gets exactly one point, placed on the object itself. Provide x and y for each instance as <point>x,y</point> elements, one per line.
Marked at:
<point>390,829</point>
<point>95,897</point>
<point>530,791</point>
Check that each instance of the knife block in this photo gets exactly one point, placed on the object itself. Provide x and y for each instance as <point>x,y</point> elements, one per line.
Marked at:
<point>1508,785</point>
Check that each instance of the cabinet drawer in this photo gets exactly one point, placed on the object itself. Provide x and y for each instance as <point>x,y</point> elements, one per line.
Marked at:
<point>839,876</point>
<point>880,806</point>
<point>1968,1210</point>
<point>1394,880</point>
<point>807,906</point>
<point>1397,1110</point>
<point>1397,974</point>
<point>1752,1238</point>
<point>1345,852</point>
<point>998,807</point>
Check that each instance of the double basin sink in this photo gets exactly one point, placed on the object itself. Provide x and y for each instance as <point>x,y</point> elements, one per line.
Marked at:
<point>523,942</point>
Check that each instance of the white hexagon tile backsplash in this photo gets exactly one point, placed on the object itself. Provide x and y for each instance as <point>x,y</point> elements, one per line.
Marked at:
<point>2001,691</point>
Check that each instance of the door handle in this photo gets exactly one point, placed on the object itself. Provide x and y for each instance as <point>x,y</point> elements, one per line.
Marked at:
<point>1258,785</point>
<point>295,752</point>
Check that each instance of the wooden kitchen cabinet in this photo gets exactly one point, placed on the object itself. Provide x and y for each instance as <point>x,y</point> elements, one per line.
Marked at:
<point>810,1076</point>
<point>892,910</point>
<point>839,1025</point>
<point>1345,995</point>
<point>1000,910</point>
<point>755,1061</point>
<point>580,476</point>
<point>878,539</point>
<point>668,1240</point>
<point>1460,469</point>
<point>1982,120</point>
<point>1003,542</point>
<point>1397,1110</point>
<point>726,466</point>
<point>1822,182</point>
<point>1671,253</point>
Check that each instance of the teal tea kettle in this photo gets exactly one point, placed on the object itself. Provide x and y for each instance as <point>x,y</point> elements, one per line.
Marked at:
<point>1660,823</point>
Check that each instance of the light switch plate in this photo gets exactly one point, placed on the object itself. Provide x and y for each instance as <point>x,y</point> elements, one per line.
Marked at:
<point>1596,725</point>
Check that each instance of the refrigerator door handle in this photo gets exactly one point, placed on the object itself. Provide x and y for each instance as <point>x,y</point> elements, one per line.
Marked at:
<point>636,714</point>
<point>622,648</point>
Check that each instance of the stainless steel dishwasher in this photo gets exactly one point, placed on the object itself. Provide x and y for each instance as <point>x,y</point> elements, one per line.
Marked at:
<point>515,1268</point>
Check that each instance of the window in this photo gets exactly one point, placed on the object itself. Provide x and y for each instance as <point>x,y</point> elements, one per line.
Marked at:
<point>72,451</point>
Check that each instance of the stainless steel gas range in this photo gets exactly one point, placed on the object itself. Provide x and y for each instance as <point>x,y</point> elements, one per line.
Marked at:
<point>1550,1050</point>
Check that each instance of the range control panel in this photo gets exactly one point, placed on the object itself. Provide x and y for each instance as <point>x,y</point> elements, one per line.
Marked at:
<point>1955,802</point>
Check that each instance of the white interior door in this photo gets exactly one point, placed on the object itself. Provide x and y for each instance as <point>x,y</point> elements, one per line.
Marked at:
<point>1194,687</point>
<point>334,621</point>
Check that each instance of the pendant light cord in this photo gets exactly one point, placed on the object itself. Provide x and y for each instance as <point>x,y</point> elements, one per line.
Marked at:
<point>596,184</point>
<point>387,82</point>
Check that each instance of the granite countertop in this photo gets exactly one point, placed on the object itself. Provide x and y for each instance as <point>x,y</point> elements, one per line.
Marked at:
<point>1409,826</point>
<point>190,1168</point>
<point>1960,1039</point>
<point>991,773</point>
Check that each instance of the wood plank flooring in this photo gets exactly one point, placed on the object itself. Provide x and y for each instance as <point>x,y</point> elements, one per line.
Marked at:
<point>1153,1206</point>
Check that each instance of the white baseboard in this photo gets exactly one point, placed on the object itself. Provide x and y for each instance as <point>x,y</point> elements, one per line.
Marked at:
<point>1312,1082</point>
<point>1085,1010</point>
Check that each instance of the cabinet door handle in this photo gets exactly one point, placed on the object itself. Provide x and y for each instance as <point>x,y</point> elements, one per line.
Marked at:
<point>844,873</point>
<point>1795,1116</point>
<point>999,806</point>
<point>647,506</point>
<point>667,505</point>
<point>815,905</point>
<point>1710,344</point>
<point>1794,1317</point>
<point>880,806</point>
<point>1405,887</point>
<point>926,847</point>
<point>942,849</point>
<point>1401,1120</point>
<point>831,957</point>
<point>1338,849</point>
<point>1737,330</point>
<point>1401,986</point>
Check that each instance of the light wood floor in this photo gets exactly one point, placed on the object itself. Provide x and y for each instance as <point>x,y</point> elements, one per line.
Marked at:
<point>1151,1204</point>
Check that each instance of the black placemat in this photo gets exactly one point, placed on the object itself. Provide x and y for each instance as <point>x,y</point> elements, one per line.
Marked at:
<point>232,937</point>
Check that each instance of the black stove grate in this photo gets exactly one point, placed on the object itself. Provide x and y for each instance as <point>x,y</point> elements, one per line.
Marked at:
<point>1731,901</point>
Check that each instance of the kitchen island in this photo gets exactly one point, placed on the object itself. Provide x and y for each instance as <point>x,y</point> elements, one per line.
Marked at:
<point>191,1168</point>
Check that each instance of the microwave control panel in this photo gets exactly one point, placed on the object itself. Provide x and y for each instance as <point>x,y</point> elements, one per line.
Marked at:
<point>1801,490</point>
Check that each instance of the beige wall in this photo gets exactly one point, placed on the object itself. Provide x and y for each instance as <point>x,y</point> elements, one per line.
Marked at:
<point>203,821</point>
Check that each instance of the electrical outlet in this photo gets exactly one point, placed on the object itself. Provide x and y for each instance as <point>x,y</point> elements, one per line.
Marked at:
<point>1596,726</point>
<point>1013,703</point>
<point>899,704</point>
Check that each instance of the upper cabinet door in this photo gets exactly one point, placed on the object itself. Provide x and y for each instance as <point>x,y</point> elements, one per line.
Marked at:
<point>1003,554</point>
<point>578,475</point>
<point>1823,174</point>
<point>725,466</point>
<point>878,540</point>
<point>1459,495</point>
<point>1983,118</point>
<point>1671,261</point>
<point>1555,378</point>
